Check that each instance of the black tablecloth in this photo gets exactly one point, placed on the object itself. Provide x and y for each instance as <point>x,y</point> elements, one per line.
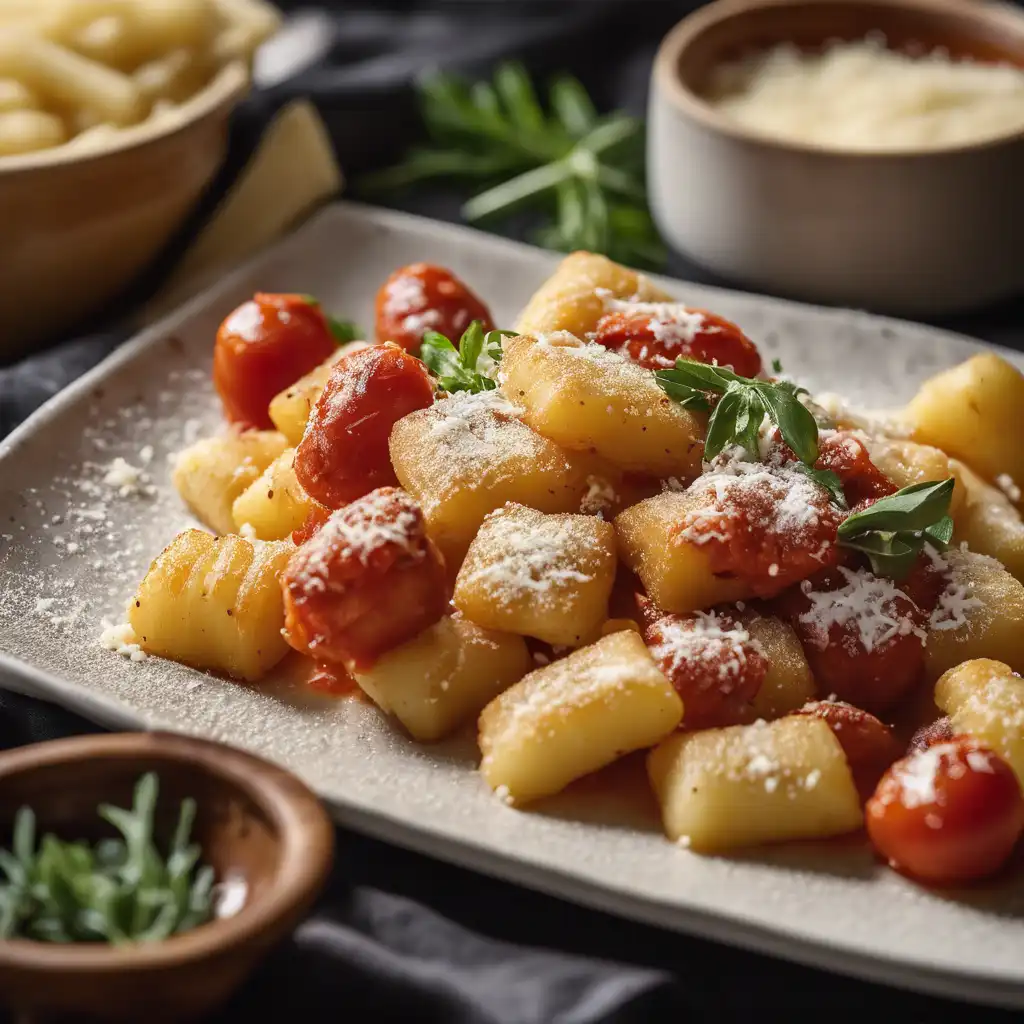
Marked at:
<point>400,936</point>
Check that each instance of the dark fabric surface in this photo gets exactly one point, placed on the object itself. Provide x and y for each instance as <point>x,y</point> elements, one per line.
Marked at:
<point>400,936</point>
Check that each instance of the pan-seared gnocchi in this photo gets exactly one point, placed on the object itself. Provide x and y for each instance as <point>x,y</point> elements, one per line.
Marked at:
<point>613,535</point>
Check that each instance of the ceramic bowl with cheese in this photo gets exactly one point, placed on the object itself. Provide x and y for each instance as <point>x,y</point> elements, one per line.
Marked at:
<point>865,153</point>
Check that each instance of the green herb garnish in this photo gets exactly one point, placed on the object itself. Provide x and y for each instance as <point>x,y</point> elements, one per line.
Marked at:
<point>343,331</point>
<point>118,891</point>
<point>456,368</point>
<point>583,171</point>
<point>894,530</point>
<point>776,366</point>
<point>744,402</point>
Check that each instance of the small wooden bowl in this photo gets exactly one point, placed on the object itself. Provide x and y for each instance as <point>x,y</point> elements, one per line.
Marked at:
<point>79,225</point>
<point>915,232</point>
<point>255,822</point>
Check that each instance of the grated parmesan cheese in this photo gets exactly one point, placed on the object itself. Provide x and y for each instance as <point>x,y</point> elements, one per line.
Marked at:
<point>121,640</point>
<point>710,641</point>
<point>1005,483</point>
<point>861,96</point>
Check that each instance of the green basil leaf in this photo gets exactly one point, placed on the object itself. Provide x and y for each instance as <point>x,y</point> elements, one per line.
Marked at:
<point>440,355</point>
<point>685,395</point>
<point>891,554</point>
<point>828,480</point>
<point>941,533</point>
<point>471,344</point>
<point>492,343</point>
<point>776,366</point>
<point>702,376</point>
<point>722,424</point>
<point>795,422</point>
<point>344,331</point>
<point>911,509</point>
<point>310,300</point>
<point>749,417</point>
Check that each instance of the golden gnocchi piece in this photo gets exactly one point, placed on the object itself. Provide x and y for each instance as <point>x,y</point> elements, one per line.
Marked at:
<point>289,410</point>
<point>213,472</point>
<point>468,455</point>
<point>573,298</point>
<point>989,523</point>
<point>788,684</point>
<point>547,576</point>
<point>972,412</point>
<point>745,785</point>
<point>214,603</point>
<point>275,504</point>
<point>985,700</point>
<point>442,679</point>
<point>574,716</point>
<point>586,398</point>
<point>677,576</point>
<point>908,462</point>
<point>981,615</point>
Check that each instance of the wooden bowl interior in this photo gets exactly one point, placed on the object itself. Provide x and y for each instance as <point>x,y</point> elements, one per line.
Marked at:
<point>238,839</point>
<point>813,24</point>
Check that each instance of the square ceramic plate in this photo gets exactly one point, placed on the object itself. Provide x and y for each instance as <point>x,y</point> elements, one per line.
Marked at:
<point>73,547</point>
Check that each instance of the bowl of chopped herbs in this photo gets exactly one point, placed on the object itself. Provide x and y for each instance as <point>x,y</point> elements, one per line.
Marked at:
<point>143,875</point>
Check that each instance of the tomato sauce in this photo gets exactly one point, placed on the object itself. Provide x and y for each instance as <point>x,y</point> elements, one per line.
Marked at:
<point>656,342</point>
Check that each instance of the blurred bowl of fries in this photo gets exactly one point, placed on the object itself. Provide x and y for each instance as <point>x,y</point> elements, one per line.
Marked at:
<point>113,121</point>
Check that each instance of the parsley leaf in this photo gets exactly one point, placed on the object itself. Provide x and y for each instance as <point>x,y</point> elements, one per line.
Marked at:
<point>456,368</point>
<point>894,530</point>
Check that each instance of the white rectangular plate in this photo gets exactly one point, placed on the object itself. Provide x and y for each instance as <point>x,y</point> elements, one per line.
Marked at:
<point>72,549</point>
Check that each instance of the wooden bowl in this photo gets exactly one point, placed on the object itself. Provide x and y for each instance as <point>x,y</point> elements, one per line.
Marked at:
<point>913,232</point>
<point>79,225</point>
<point>255,822</point>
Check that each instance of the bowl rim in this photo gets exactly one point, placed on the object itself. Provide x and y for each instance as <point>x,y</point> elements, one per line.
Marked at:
<point>225,88</point>
<point>665,80</point>
<point>306,842</point>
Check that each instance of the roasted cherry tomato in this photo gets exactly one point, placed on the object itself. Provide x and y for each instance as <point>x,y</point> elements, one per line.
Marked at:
<point>344,452</point>
<point>947,814</point>
<point>264,346</point>
<point>656,339</point>
<point>862,636</point>
<point>368,580</point>
<point>422,297</point>
<point>939,731</point>
<point>713,664</point>
<point>869,745</point>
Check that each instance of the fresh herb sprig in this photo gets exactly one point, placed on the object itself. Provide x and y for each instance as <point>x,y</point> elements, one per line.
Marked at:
<point>458,369</point>
<point>894,530</point>
<point>118,891</point>
<point>582,170</point>
<point>744,403</point>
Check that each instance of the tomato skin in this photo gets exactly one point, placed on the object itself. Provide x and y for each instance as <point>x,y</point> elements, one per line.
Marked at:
<point>875,679</point>
<point>344,452</point>
<point>711,662</point>
<point>948,814</point>
<point>869,745</point>
<point>315,518</point>
<point>939,731</point>
<point>264,346</point>
<point>707,338</point>
<point>332,679</point>
<point>424,297</point>
<point>367,581</point>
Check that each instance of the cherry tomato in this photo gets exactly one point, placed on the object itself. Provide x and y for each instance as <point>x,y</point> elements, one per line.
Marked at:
<point>367,581</point>
<point>264,346</point>
<point>939,731</point>
<point>344,452</point>
<point>713,664</point>
<point>851,648</point>
<point>656,340</point>
<point>870,746</point>
<point>948,814</point>
<point>422,297</point>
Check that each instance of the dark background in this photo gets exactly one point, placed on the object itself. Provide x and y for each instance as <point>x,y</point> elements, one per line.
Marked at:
<point>400,936</point>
